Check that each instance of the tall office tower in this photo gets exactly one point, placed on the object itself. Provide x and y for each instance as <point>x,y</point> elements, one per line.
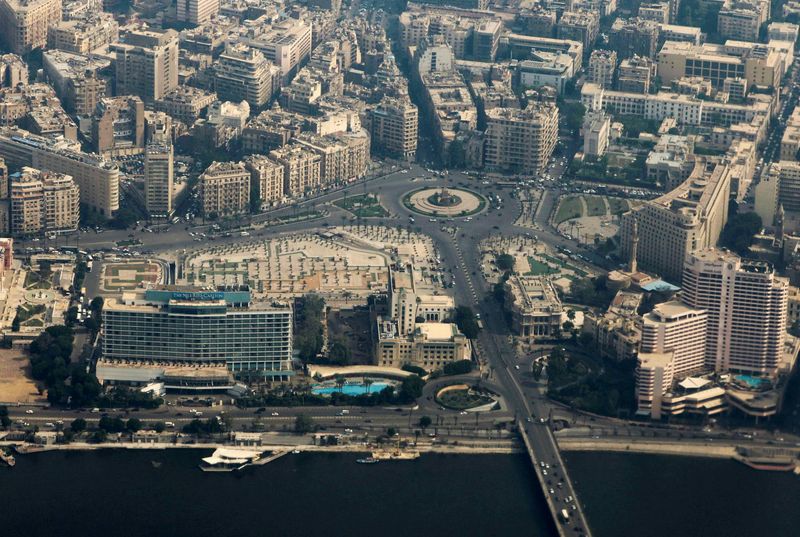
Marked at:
<point>24,23</point>
<point>225,189</point>
<point>672,347</point>
<point>158,176</point>
<point>147,64</point>
<point>521,140</point>
<point>680,222</point>
<point>244,74</point>
<point>394,124</point>
<point>197,11</point>
<point>746,304</point>
<point>43,201</point>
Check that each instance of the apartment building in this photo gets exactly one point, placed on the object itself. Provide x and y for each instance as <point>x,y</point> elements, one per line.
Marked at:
<point>596,133</point>
<point>270,130</point>
<point>747,307</point>
<point>43,202</point>
<point>782,31</point>
<point>186,103</point>
<point>602,66</point>
<point>13,71</point>
<point>24,23</point>
<point>394,125</point>
<point>634,37</point>
<point>617,331</point>
<point>673,32</point>
<point>244,74</point>
<point>286,44</point>
<point>200,327</point>
<point>118,126</point>
<point>582,26</point>
<point>521,141</point>
<point>225,189</point>
<point>97,178</point>
<point>84,35</point>
<point>534,305</point>
<point>672,348</point>
<point>146,64</point>
<point>680,222</point>
<point>636,74</point>
<point>778,188</point>
<point>790,140</point>
<point>80,81</point>
<point>301,169</point>
<point>742,19</point>
<point>158,179</point>
<point>343,158</point>
<point>658,12</point>
<point>521,46</point>
<point>196,11</point>
<point>545,69</point>
<point>266,179</point>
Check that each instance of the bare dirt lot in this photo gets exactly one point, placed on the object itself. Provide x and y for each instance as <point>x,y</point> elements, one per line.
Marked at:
<point>15,382</point>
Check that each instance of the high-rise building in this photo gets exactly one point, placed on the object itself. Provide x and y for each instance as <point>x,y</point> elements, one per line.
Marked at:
<point>77,79</point>
<point>97,178</point>
<point>244,74</point>
<point>602,64</point>
<point>196,11</point>
<point>43,202</point>
<point>286,44</point>
<point>394,124</point>
<point>225,189</point>
<point>747,307</point>
<point>672,347</point>
<point>194,326</point>
<point>680,222</point>
<point>158,178</point>
<point>521,141</point>
<point>24,23</point>
<point>146,64</point>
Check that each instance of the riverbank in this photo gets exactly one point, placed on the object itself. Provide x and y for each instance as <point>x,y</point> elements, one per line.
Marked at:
<point>686,449</point>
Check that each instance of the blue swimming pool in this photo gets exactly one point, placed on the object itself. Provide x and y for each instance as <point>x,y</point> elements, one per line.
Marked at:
<point>350,389</point>
<point>751,381</point>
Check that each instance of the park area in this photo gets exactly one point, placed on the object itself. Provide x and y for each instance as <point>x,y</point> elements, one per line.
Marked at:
<point>590,218</point>
<point>364,206</point>
<point>15,382</point>
<point>463,397</point>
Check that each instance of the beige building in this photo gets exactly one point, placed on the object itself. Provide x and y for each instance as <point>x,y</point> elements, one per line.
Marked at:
<point>118,126</point>
<point>225,189</point>
<point>42,202</point>
<point>186,103</point>
<point>244,74</point>
<point>286,44</point>
<point>672,348</point>
<point>84,35</point>
<point>747,307</point>
<point>24,23</point>
<point>78,79</point>
<point>760,65</point>
<point>97,178</point>
<point>431,346</point>
<point>394,125</point>
<point>301,169</point>
<point>147,64</point>
<point>343,158</point>
<point>778,187</point>
<point>158,180</point>
<point>617,332</point>
<point>678,223</point>
<point>521,141</point>
<point>196,11</point>
<point>266,179</point>
<point>742,19</point>
<point>582,26</point>
<point>790,140</point>
<point>535,307</point>
<point>602,65</point>
<point>596,133</point>
<point>635,74</point>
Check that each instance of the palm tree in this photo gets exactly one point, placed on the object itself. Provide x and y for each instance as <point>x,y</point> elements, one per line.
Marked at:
<point>367,383</point>
<point>340,382</point>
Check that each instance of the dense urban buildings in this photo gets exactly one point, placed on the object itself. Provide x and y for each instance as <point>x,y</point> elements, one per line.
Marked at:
<point>521,140</point>
<point>24,23</point>
<point>43,202</point>
<point>146,64</point>
<point>225,189</point>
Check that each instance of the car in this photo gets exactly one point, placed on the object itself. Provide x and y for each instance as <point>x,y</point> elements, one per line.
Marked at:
<point>274,414</point>
<point>29,411</point>
<point>552,491</point>
<point>348,430</point>
<point>544,472</point>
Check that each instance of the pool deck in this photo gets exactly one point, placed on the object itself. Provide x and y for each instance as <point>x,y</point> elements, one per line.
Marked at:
<point>328,372</point>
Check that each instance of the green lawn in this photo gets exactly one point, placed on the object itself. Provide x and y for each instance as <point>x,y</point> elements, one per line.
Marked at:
<point>618,205</point>
<point>463,399</point>
<point>568,208</point>
<point>539,269</point>
<point>595,205</point>
<point>364,206</point>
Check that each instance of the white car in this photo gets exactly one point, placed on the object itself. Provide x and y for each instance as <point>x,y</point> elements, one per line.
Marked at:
<point>275,414</point>
<point>29,411</point>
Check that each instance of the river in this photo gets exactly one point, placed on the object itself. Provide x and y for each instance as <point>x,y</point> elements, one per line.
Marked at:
<point>116,493</point>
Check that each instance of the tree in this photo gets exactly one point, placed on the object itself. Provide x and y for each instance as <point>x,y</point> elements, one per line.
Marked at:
<point>133,425</point>
<point>111,425</point>
<point>78,425</point>
<point>303,424</point>
<point>411,388</point>
<point>5,421</point>
<point>505,262</point>
<point>339,353</point>
<point>739,232</point>
<point>466,321</point>
<point>159,426</point>
<point>425,422</point>
<point>340,382</point>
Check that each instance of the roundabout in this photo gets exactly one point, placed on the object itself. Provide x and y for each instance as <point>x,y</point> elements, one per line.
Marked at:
<point>432,201</point>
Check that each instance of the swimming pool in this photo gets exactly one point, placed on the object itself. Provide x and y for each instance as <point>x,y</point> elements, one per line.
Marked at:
<point>350,389</point>
<point>752,382</point>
